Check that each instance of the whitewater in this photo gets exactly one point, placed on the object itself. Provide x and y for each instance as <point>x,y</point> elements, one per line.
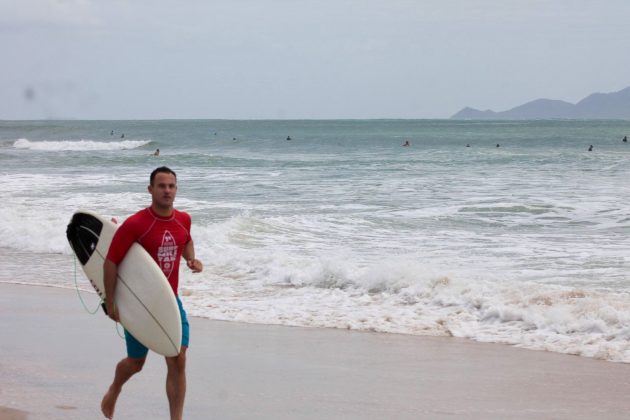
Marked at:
<point>520,238</point>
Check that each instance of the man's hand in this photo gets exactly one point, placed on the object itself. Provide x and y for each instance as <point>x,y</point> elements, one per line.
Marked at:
<point>195,265</point>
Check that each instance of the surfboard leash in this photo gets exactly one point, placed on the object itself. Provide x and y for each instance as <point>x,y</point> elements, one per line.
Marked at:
<point>76,286</point>
<point>100,302</point>
<point>121,335</point>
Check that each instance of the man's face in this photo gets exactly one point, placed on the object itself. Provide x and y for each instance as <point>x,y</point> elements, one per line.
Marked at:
<point>163,189</point>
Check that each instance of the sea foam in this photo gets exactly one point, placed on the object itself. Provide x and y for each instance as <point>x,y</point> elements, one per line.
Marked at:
<point>78,145</point>
<point>343,228</point>
<point>400,295</point>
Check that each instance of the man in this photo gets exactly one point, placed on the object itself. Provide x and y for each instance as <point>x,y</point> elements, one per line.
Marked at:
<point>165,233</point>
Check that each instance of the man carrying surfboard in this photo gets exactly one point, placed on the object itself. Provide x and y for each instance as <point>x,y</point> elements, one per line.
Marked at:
<point>164,233</point>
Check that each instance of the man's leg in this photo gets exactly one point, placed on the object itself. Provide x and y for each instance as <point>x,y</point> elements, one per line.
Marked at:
<point>176,375</point>
<point>125,369</point>
<point>176,383</point>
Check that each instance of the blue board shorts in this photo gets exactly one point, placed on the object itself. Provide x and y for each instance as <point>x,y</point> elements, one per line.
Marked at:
<point>137,350</point>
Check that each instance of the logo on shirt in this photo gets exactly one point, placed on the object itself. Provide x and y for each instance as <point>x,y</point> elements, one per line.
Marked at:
<point>167,253</point>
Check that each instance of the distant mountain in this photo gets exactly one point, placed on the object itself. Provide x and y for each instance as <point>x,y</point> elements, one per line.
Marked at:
<point>615,106</point>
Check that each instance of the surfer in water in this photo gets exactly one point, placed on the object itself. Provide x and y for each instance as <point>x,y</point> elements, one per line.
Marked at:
<point>625,139</point>
<point>406,144</point>
<point>157,152</point>
<point>165,233</point>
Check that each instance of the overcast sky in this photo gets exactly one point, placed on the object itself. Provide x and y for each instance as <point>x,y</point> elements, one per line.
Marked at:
<point>268,59</point>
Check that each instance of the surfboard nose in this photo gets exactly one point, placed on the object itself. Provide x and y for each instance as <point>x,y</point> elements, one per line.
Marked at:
<point>83,233</point>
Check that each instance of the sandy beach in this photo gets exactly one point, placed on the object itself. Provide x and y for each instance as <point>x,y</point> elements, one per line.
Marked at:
<point>56,361</point>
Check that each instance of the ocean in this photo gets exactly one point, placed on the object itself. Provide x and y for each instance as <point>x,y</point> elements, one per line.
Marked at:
<point>335,224</point>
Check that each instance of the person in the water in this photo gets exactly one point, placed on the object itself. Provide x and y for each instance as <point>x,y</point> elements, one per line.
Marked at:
<point>590,148</point>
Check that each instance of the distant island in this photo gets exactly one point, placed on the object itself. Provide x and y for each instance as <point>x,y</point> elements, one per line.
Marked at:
<point>613,106</point>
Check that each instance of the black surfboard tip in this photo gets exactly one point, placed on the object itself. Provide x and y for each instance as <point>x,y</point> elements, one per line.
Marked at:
<point>83,233</point>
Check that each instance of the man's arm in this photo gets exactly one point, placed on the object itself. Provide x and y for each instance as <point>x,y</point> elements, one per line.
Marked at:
<point>189,255</point>
<point>110,278</point>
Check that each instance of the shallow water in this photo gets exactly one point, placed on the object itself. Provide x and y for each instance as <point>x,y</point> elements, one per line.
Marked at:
<point>343,227</point>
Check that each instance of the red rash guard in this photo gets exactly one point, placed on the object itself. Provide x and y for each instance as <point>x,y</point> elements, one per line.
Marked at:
<point>164,239</point>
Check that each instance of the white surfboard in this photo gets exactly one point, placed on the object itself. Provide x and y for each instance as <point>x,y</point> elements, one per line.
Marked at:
<point>145,301</point>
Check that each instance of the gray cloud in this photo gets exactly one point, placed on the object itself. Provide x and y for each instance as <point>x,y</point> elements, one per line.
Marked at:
<point>304,59</point>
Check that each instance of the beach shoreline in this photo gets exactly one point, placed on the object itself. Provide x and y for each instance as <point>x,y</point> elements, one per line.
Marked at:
<point>58,361</point>
<point>344,228</point>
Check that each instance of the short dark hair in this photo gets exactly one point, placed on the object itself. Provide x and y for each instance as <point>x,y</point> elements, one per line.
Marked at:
<point>161,169</point>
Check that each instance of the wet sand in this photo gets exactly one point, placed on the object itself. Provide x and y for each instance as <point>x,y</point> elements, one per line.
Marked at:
<point>56,362</point>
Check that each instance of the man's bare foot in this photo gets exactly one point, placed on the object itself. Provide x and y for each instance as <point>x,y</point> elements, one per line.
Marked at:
<point>109,402</point>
